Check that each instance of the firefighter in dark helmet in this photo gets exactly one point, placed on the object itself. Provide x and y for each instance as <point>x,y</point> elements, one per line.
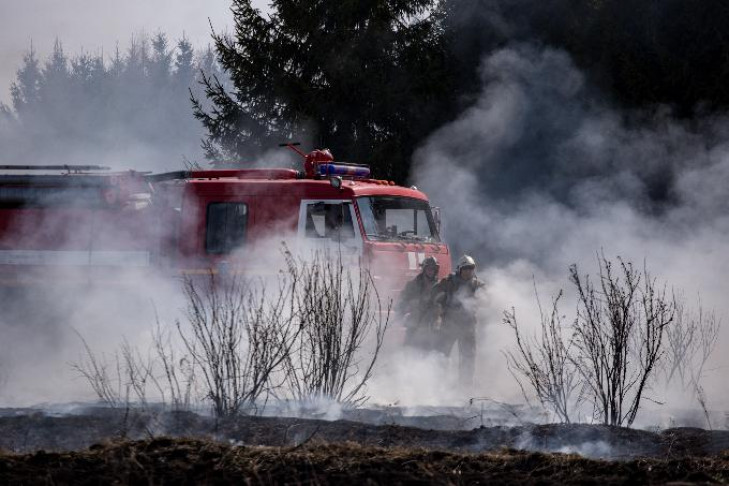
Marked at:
<point>455,307</point>
<point>415,305</point>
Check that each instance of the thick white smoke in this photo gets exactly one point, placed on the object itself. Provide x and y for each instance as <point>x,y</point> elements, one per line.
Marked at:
<point>41,332</point>
<point>542,172</point>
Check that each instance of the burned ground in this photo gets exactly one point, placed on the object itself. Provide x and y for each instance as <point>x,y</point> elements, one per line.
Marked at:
<point>189,461</point>
<point>106,446</point>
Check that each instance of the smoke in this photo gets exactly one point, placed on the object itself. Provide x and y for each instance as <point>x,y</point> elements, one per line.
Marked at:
<point>132,124</point>
<point>593,449</point>
<point>42,330</point>
<point>105,97</point>
<point>47,326</point>
<point>542,172</point>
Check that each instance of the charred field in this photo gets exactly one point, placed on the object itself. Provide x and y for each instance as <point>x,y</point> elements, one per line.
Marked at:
<point>101,446</point>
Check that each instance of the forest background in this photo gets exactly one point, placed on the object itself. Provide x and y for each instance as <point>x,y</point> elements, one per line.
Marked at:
<point>369,80</point>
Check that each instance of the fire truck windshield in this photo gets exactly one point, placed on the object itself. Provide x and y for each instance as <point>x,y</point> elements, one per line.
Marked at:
<point>388,218</point>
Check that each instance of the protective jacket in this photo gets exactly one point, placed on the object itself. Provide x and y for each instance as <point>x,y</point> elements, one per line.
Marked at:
<point>451,296</point>
<point>416,300</point>
<point>455,308</point>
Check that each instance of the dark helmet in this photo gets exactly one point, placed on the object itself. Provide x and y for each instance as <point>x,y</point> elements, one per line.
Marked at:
<point>430,262</point>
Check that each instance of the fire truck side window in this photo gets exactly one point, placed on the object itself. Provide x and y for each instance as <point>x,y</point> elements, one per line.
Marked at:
<point>226,227</point>
<point>329,220</point>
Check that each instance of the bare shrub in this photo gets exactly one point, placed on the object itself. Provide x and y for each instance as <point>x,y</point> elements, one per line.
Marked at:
<point>545,363</point>
<point>242,345</point>
<point>236,337</point>
<point>121,384</point>
<point>106,380</point>
<point>616,343</point>
<point>126,379</point>
<point>337,311</point>
<point>618,334</point>
<point>691,342</point>
<point>175,380</point>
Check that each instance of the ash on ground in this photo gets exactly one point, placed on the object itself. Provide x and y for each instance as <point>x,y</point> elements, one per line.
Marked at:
<point>461,430</point>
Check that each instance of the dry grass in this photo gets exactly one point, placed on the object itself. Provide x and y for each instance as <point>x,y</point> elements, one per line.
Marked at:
<point>203,462</point>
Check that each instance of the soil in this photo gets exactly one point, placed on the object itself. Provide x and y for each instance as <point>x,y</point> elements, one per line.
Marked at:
<point>121,447</point>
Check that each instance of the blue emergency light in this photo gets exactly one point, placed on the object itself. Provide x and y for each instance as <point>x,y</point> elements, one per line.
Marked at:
<point>344,170</point>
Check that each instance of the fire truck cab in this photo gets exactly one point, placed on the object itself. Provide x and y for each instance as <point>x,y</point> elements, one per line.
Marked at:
<point>230,217</point>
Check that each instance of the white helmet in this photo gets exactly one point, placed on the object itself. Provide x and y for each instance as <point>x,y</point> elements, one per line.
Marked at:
<point>464,262</point>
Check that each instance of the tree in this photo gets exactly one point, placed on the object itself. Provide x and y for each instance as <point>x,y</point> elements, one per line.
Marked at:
<point>545,363</point>
<point>85,93</point>
<point>233,334</point>
<point>621,326</point>
<point>25,91</point>
<point>338,310</point>
<point>117,63</point>
<point>56,69</point>
<point>74,108</point>
<point>161,61</point>
<point>367,79</point>
<point>642,52</point>
<point>616,344</point>
<point>184,65</point>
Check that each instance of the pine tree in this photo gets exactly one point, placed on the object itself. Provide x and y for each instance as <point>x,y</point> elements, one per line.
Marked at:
<point>184,64</point>
<point>77,109</point>
<point>55,93</point>
<point>207,63</point>
<point>88,92</point>
<point>161,60</point>
<point>25,90</point>
<point>367,79</point>
<point>117,63</point>
<point>136,63</point>
<point>56,67</point>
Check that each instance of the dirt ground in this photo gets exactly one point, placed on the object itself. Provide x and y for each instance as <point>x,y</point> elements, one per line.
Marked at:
<point>118,447</point>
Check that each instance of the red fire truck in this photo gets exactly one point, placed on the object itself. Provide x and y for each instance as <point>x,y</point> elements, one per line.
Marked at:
<point>90,225</point>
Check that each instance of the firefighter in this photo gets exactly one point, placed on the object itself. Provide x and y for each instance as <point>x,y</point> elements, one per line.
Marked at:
<point>454,299</point>
<point>416,306</point>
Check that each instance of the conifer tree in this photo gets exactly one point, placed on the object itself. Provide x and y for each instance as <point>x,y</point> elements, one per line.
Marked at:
<point>161,61</point>
<point>56,67</point>
<point>82,109</point>
<point>367,79</point>
<point>117,63</point>
<point>25,91</point>
<point>184,64</point>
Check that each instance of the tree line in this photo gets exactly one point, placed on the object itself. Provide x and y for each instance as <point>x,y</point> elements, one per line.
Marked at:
<point>370,80</point>
<point>105,109</point>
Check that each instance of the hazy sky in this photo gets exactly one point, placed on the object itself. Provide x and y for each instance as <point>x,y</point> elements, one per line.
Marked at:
<point>92,25</point>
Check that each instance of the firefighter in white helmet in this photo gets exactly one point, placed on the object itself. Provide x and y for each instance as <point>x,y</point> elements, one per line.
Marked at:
<point>456,319</point>
<point>415,305</point>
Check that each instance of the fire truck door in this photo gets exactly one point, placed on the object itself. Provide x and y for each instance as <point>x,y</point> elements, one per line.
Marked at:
<point>330,225</point>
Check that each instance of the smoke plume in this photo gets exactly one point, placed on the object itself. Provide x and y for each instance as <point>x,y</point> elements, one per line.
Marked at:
<point>542,172</point>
